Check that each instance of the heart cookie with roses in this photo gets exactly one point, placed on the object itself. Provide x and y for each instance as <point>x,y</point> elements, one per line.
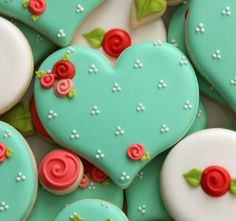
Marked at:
<point>118,118</point>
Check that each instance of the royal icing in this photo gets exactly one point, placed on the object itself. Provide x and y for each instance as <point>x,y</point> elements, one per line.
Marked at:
<point>19,176</point>
<point>14,79</point>
<point>116,126</point>
<point>202,167</point>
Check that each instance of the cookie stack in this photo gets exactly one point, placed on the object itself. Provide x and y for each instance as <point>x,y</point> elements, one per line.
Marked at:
<point>95,105</point>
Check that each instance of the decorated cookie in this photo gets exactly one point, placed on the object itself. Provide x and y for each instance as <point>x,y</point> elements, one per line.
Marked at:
<point>89,209</point>
<point>100,107</point>
<point>60,172</point>
<point>214,56</point>
<point>108,30</point>
<point>202,167</point>
<point>18,186</point>
<point>176,36</point>
<point>145,203</point>
<point>51,17</point>
<point>16,72</point>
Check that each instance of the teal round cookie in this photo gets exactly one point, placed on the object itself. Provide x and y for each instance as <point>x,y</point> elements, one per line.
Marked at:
<point>18,186</point>
<point>109,192</point>
<point>105,114</point>
<point>91,209</point>
<point>51,17</point>
<point>176,36</point>
<point>211,49</point>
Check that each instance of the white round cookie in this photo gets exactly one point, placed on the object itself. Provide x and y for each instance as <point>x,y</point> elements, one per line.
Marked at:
<point>16,62</point>
<point>200,150</point>
<point>116,14</point>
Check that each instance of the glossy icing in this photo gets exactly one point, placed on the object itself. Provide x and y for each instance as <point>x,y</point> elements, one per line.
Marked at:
<point>213,56</point>
<point>92,125</point>
<point>53,22</point>
<point>18,175</point>
<point>176,36</point>
<point>200,150</point>
<point>45,200</point>
<point>108,16</point>
<point>14,79</point>
<point>89,209</point>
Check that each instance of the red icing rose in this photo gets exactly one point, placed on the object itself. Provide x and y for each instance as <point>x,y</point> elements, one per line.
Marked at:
<point>47,81</point>
<point>97,175</point>
<point>115,42</point>
<point>3,150</point>
<point>63,87</point>
<point>87,166</point>
<point>136,151</point>
<point>37,7</point>
<point>64,70</point>
<point>215,181</point>
<point>84,182</point>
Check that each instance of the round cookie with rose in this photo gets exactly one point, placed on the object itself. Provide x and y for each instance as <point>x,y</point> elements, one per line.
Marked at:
<point>203,169</point>
<point>18,173</point>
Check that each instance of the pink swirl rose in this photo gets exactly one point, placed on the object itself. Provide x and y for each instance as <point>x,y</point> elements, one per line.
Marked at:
<point>47,81</point>
<point>63,87</point>
<point>37,7</point>
<point>84,182</point>
<point>3,150</point>
<point>136,151</point>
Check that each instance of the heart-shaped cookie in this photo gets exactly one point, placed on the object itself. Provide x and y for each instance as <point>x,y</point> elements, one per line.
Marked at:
<point>211,47</point>
<point>51,17</point>
<point>117,118</point>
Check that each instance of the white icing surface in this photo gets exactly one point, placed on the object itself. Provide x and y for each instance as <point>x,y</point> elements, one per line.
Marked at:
<point>16,63</point>
<point>116,14</point>
<point>200,150</point>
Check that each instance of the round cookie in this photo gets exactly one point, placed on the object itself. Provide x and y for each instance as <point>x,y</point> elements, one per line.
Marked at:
<point>16,73</point>
<point>88,209</point>
<point>18,172</point>
<point>214,56</point>
<point>202,168</point>
<point>140,88</point>
<point>176,36</point>
<point>108,16</point>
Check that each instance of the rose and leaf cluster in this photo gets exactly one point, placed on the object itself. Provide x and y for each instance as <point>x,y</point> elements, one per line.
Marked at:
<point>215,180</point>
<point>60,78</point>
<point>5,153</point>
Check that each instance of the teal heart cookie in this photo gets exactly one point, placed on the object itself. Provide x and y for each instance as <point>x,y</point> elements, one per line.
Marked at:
<point>210,41</point>
<point>57,20</point>
<point>176,36</point>
<point>118,118</point>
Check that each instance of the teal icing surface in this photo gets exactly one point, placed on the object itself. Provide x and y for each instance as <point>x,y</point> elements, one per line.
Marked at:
<point>18,185</point>
<point>143,195</point>
<point>59,21</point>
<point>46,200</point>
<point>176,31</point>
<point>91,209</point>
<point>210,40</point>
<point>149,98</point>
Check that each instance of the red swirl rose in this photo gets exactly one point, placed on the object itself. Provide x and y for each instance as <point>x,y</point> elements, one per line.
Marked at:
<point>84,182</point>
<point>37,7</point>
<point>136,151</point>
<point>63,87</point>
<point>215,181</point>
<point>115,42</point>
<point>47,81</point>
<point>64,70</point>
<point>3,150</point>
<point>97,175</point>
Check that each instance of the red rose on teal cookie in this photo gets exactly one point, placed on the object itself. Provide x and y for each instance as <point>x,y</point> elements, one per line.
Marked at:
<point>3,150</point>
<point>64,70</point>
<point>36,7</point>
<point>47,81</point>
<point>136,152</point>
<point>97,175</point>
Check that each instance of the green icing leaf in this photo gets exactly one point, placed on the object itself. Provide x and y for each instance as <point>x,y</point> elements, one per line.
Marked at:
<point>66,57</point>
<point>34,17</point>
<point>233,187</point>
<point>25,3</point>
<point>109,219</point>
<point>106,182</point>
<point>9,153</point>
<point>193,177</point>
<point>40,74</point>
<point>19,117</point>
<point>146,157</point>
<point>72,93</point>
<point>95,37</point>
<point>147,7</point>
<point>76,218</point>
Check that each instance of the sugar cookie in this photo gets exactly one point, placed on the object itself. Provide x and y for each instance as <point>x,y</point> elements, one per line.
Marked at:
<point>16,73</point>
<point>18,172</point>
